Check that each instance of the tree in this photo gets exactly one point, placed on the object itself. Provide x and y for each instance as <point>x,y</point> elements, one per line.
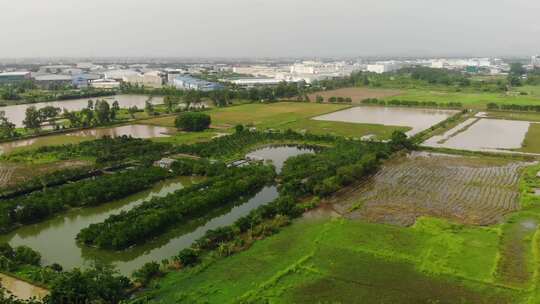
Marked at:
<point>239,128</point>
<point>116,105</point>
<point>132,111</point>
<point>319,99</point>
<point>48,112</point>
<point>102,110</point>
<point>149,108</point>
<point>90,104</point>
<point>193,121</point>
<point>7,128</point>
<point>31,120</point>
<point>169,103</point>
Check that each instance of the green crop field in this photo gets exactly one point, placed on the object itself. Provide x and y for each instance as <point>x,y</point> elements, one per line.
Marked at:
<point>471,100</point>
<point>531,143</point>
<point>344,261</point>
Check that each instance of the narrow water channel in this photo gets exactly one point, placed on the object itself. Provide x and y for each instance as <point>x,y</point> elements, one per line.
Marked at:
<point>55,238</point>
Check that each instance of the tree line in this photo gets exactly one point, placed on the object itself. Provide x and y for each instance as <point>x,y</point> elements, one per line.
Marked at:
<point>105,151</point>
<point>412,103</point>
<point>513,107</point>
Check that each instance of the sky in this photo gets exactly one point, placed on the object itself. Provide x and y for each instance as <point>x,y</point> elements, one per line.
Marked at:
<point>268,28</point>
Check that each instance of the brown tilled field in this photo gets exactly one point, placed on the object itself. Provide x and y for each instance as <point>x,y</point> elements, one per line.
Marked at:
<point>469,190</point>
<point>357,94</point>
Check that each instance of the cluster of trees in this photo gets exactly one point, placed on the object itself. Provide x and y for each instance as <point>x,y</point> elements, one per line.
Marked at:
<point>323,173</point>
<point>199,167</point>
<point>34,118</point>
<point>95,114</point>
<point>7,128</point>
<point>158,215</point>
<point>193,121</point>
<point>27,92</point>
<point>89,192</point>
<point>335,99</point>
<point>513,107</point>
<point>412,103</point>
<point>241,140</point>
<point>105,150</point>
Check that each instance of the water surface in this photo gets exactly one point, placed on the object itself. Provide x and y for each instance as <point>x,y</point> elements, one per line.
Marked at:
<point>16,113</point>
<point>484,135</point>
<point>415,118</point>
<point>135,130</point>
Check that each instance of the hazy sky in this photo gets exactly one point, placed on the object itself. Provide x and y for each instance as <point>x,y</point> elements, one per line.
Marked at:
<point>236,28</point>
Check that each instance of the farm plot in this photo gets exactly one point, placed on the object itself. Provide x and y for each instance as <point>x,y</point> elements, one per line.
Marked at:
<point>480,134</point>
<point>468,190</point>
<point>417,119</point>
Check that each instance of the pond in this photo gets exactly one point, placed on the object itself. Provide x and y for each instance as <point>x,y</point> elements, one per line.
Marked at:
<point>481,134</point>
<point>279,154</point>
<point>417,119</point>
<point>16,113</point>
<point>55,238</point>
<point>137,131</point>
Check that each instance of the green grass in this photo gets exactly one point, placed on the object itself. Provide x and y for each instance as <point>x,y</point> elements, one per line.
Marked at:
<point>342,260</point>
<point>531,143</point>
<point>468,99</point>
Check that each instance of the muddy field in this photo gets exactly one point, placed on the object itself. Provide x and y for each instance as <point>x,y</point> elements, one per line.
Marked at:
<point>468,190</point>
<point>357,94</point>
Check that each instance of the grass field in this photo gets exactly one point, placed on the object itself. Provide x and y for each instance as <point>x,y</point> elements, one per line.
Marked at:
<point>526,116</point>
<point>531,144</point>
<point>356,94</point>
<point>470,100</point>
<point>284,115</point>
<point>345,261</point>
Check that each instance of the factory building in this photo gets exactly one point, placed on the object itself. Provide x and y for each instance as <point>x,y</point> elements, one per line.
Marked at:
<point>191,83</point>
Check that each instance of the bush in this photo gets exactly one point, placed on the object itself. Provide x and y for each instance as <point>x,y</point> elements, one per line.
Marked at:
<point>147,272</point>
<point>193,121</point>
<point>187,257</point>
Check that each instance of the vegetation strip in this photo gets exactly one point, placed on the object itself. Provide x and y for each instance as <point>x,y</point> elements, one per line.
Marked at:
<point>158,215</point>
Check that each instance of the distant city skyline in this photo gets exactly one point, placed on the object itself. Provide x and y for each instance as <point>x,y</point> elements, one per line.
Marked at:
<point>279,28</point>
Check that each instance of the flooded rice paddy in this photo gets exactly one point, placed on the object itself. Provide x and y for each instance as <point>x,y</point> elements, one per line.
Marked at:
<point>16,113</point>
<point>479,134</point>
<point>468,190</point>
<point>135,130</point>
<point>417,119</point>
<point>55,238</point>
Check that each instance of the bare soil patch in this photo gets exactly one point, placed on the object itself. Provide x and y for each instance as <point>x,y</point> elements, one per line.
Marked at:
<point>357,94</point>
<point>469,190</point>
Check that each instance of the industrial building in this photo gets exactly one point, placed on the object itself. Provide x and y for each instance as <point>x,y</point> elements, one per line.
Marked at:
<point>14,77</point>
<point>191,83</point>
<point>105,84</point>
<point>52,81</point>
